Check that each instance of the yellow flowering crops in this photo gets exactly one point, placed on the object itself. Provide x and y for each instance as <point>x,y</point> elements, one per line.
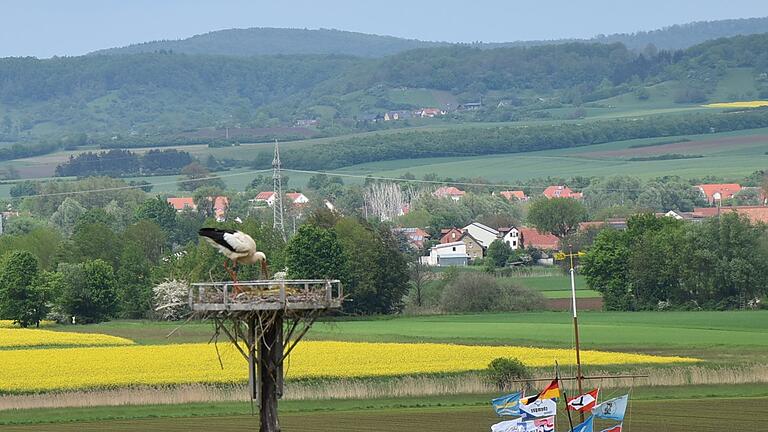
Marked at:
<point>70,368</point>
<point>744,104</point>
<point>18,337</point>
<point>10,324</point>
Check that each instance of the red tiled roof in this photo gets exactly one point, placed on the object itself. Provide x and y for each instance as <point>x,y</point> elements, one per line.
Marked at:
<point>754,213</point>
<point>181,203</point>
<point>531,237</point>
<point>726,190</point>
<point>294,195</point>
<point>561,192</point>
<point>446,191</point>
<point>264,195</point>
<point>447,238</point>
<point>514,194</point>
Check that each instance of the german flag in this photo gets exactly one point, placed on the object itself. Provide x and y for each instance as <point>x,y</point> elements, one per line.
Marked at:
<point>551,392</point>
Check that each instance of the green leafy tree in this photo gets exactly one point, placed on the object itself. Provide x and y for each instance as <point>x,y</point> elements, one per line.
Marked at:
<point>498,253</point>
<point>134,292</point>
<point>148,238</point>
<point>558,216</point>
<point>158,211</point>
<point>197,176</point>
<point>21,299</point>
<point>315,253</point>
<point>96,241</point>
<point>88,291</point>
<point>67,215</point>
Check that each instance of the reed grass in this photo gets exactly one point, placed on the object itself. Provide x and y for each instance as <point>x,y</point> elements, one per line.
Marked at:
<point>412,386</point>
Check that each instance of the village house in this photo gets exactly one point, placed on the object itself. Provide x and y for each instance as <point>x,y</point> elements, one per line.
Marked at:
<point>483,233</point>
<point>306,122</point>
<point>397,115</point>
<point>755,214</point>
<point>268,198</point>
<point>415,236</point>
<point>428,112</point>
<point>473,247</point>
<point>446,255</point>
<point>220,205</point>
<point>561,192</point>
<point>715,193</point>
<point>510,236</point>
<point>182,203</point>
<point>530,237</point>
<point>450,235</point>
<point>451,192</point>
<point>514,195</point>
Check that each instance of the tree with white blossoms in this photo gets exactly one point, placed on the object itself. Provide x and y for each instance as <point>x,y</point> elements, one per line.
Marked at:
<point>384,200</point>
<point>170,299</point>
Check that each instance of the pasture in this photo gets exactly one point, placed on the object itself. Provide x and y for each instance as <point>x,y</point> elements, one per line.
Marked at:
<point>652,409</point>
<point>730,155</point>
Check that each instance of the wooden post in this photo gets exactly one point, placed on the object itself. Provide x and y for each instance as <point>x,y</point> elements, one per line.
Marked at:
<point>270,357</point>
<point>579,376</point>
<point>253,375</point>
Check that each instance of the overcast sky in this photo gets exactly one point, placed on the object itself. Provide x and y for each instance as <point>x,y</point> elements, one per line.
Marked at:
<point>44,28</point>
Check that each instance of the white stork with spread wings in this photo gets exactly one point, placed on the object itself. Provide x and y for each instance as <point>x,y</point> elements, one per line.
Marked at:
<point>236,246</point>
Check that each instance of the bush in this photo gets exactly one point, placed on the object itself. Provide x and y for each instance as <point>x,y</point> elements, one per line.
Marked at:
<point>478,292</point>
<point>170,299</point>
<point>505,372</point>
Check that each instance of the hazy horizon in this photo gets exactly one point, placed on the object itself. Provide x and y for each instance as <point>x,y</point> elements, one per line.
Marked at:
<point>45,28</point>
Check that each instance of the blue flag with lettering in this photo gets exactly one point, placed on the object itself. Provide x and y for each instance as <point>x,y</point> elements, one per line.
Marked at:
<point>587,426</point>
<point>508,405</point>
<point>612,409</point>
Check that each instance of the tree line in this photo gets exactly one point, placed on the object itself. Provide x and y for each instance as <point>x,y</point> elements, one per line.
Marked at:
<point>661,263</point>
<point>118,163</point>
<point>508,139</point>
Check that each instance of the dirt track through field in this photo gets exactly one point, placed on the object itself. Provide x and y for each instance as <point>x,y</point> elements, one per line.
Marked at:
<point>701,415</point>
<point>686,147</point>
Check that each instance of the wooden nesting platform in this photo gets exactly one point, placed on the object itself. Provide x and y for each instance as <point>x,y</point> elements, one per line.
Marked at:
<point>266,295</point>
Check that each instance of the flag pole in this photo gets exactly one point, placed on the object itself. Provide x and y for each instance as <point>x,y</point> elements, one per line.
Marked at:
<point>565,396</point>
<point>579,376</point>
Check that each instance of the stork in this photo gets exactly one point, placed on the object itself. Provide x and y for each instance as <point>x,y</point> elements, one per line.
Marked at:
<point>238,247</point>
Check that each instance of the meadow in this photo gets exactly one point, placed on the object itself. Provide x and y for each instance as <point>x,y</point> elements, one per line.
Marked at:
<point>731,345</point>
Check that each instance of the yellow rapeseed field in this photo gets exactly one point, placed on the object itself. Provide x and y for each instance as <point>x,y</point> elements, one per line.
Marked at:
<point>18,337</point>
<point>9,324</point>
<point>70,368</point>
<point>744,104</point>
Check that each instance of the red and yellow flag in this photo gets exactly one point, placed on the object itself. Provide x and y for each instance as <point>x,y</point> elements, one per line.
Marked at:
<point>551,392</point>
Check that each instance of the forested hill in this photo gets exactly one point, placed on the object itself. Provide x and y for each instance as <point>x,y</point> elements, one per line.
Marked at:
<point>681,36</point>
<point>270,41</point>
<point>157,94</point>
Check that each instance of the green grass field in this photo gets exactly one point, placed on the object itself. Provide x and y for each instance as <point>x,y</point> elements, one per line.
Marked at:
<point>717,336</point>
<point>730,154</point>
<point>656,409</point>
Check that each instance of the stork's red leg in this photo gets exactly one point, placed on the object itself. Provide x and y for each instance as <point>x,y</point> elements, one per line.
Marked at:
<point>233,276</point>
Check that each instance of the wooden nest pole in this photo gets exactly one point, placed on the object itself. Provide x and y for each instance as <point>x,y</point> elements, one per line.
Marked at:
<point>270,318</point>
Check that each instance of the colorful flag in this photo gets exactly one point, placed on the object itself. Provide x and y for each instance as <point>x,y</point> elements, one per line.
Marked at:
<point>613,409</point>
<point>586,426</point>
<point>542,425</point>
<point>538,408</point>
<point>616,428</point>
<point>519,425</point>
<point>551,392</point>
<point>584,402</point>
<point>508,405</point>
<point>507,426</point>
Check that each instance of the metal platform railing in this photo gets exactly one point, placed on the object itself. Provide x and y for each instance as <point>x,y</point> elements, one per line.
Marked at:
<point>266,295</point>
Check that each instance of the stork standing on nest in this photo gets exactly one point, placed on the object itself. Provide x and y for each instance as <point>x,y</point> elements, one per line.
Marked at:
<point>236,246</point>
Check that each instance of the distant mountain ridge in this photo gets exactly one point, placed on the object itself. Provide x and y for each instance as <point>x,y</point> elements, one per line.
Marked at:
<point>280,41</point>
<point>286,41</point>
